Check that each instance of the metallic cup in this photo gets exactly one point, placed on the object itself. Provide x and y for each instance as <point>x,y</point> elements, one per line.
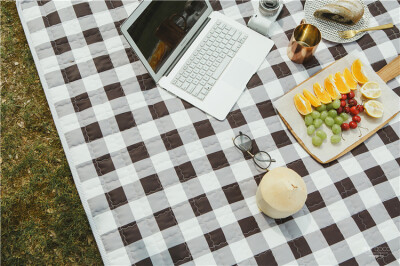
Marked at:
<point>304,42</point>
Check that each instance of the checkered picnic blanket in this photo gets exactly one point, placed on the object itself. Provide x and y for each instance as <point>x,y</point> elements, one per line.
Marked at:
<point>162,182</point>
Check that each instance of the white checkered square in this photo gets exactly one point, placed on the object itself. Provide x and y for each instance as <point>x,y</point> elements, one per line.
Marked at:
<point>140,208</point>
<point>190,229</point>
<point>175,194</point>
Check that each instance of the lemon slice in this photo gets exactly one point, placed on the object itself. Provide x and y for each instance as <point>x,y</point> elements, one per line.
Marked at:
<point>371,90</point>
<point>374,108</point>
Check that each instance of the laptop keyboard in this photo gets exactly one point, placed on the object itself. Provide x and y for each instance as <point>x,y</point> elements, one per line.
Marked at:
<point>200,72</point>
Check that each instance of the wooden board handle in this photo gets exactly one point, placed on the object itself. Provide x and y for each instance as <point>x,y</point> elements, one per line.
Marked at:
<point>391,70</point>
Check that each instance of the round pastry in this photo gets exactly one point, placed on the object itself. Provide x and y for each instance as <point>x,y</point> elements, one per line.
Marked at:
<point>347,12</point>
<point>281,193</point>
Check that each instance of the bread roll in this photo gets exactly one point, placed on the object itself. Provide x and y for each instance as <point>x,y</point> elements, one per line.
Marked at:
<point>347,12</point>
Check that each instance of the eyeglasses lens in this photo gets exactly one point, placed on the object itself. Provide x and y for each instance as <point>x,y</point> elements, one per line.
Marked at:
<point>262,159</point>
<point>243,142</point>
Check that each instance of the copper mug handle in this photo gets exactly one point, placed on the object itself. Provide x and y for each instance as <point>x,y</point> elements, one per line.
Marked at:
<point>303,43</point>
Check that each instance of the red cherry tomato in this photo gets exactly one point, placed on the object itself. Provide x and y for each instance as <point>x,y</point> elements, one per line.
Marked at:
<point>347,109</point>
<point>352,102</point>
<point>343,103</point>
<point>345,126</point>
<point>360,108</point>
<point>354,111</point>
<point>344,97</point>
<point>352,124</point>
<point>356,119</point>
<point>351,95</point>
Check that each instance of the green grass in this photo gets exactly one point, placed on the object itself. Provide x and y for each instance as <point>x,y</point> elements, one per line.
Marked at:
<point>42,218</point>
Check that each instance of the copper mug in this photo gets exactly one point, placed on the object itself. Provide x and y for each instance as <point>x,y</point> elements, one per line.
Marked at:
<point>304,42</point>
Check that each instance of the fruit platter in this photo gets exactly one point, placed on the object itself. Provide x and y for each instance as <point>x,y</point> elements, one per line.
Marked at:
<point>338,108</point>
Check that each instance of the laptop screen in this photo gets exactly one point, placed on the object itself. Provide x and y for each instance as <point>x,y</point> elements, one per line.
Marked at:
<point>162,26</point>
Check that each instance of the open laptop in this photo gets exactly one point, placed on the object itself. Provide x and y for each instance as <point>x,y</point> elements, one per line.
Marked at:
<point>201,56</point>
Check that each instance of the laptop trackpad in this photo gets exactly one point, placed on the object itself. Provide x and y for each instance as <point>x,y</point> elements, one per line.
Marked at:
<point>238,73</point>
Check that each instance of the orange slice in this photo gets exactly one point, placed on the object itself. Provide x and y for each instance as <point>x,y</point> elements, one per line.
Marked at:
<point>341,83</point>
<point>330,87</point>
<point>311,98</point>
<point>350,81</point>
<point>302,104</point>
<point>358,72</point>
<point>321,93</point>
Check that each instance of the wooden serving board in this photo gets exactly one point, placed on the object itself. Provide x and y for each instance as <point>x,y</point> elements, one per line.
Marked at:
<point>387,73</point>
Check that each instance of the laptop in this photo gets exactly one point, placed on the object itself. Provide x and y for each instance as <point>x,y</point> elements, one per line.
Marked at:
<point>201,56</point>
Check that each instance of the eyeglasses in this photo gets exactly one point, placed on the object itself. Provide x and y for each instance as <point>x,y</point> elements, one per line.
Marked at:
<point>244,143</point>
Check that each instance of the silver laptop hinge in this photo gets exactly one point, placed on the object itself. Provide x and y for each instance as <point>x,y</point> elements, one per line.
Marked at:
<point>186,47</point>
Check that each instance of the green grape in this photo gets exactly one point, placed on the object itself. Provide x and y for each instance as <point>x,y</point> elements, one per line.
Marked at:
<point>320,133</point>
<point>344,116</point>
<point>324,114</point>
<point>329,106</point>
<point>316,141</point>
<point>329,121</point>
<point>336,103</point>
<point>315,114</point>
<point>310,130</point>
<point>321,108</point>
<point>338,120</point>
<point>332,113</point>
<point>309,120</point>
<point>336,129</point>
<point>317,122</point>
<point>335,139</point>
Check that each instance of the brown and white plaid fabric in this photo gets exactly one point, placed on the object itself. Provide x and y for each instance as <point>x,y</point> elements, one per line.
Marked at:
<point>162,182</point>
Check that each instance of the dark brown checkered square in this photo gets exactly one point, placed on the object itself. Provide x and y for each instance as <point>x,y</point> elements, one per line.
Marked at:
<point>349,262</point>
<point>376,175</point>
<point>180,254</point>
<point>111,4</point>
<point>71,74</point>
<point>388,135</point>
<point>125,121</point>
<point>200,205</point>
<point>103,63</point>
<point>51,19</point>
<point>249,226</point>
<point>204,129</point>
<point>392,206</point>
<point>299,167</point>
<point>345,187</point>
<point>185,171</point>
<point>103,165</point>
<point>144,262</point>
<point>299,247</point>
<point>217,160</point>
<point>114,91</point>
<point>281,139</point>
<point>376,8</point>
<point>216,239</point>
<point>281,70</point>
<point>131,55</point>
<point>158,110</point>
<point>145,82</point>
<point>236,119</point>
<point>138,152</point>
<point>130,233</point>
<point>81,102</point>
<point>171,139</point>
<point>82,9</point>
<point>314,201</point>
<point>116,198</point>
<point>332,234</point>
<point>165,218</point>
<point>92,132</point>
<point>266,258</point>
<point>255,81</point>
<point>363,220</point>
<point>233,193</point>
<point>92,36</point>
<point>61,46</point>
<point>366,42</point>
<point>383,254</point>
<point>266,109</point>
<point>151,184</point>
<point>338,51</point>
<point>360,149</point>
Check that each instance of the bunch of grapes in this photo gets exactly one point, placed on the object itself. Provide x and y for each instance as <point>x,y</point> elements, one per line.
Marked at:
<point>328,114</point>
